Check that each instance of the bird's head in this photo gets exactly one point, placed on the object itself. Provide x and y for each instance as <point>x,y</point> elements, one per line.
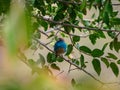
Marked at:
<point>60,39</point>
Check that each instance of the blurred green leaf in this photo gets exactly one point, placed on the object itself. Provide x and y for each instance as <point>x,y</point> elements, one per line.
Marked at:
<point>97,53</point>
<point>96,65</point>
<point>69,49</point>
<point>41,60</point>
<point>73,82</point>
<point>114,68</point>
<point>118,62</point>
<point>32,62</point>
<point>4,6</point>
<point>54,66</point>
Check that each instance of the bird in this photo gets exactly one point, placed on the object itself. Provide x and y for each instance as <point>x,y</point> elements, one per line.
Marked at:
<point>60,47</point>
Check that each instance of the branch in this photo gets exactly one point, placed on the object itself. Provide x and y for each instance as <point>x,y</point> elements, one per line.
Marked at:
<point>69,61</point>
<point>72,25</point>
<point>79,3</point>
<point>82,36</point>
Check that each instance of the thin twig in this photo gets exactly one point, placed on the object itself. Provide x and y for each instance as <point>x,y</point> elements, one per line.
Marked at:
<point>59,73</point>
<point>69,68</point>
<point>43,33</point>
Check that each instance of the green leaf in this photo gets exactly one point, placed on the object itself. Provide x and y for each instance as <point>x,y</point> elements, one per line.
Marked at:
<point>41,60</point>
<point>114,68</point>
<point>93,38</point>
<point>69,49</point>
<point>106,18</point>
<point>105,61</point>
<point>59,16</point>
<point>115,21</point>
<point>101,34</point>
<point>59,59</point>
<point>110,55</point>
<point>104,47</point>
<point>80,15</point>
<point>82,61</point>
<point>83,6</point>
<point>97,53</point>
<point>111,34</point>
<point>73,82</point>
<point>44,24</point>
<point>51,58</point>
<point>85,49</point>
<point>76,38</point>
<point>118,62</point>
<point>54,66</point>
<point>116,45</point>
<point>111,45</point>
<point>32,62</point>
<point>97,66</point>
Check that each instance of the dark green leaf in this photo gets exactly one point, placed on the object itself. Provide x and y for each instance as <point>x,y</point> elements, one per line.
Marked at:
<point>101,34</point>
<point>93,38</point>
<point>82,61</point>
<point>111,45</point>
<point>77,62</point>
<point>111,34</point>
<point>108,7</point>
<point>115,21</point>
<point>69,49</point>
<point>118,62</point>
<point>106,18</point>
<point>44,24</point>
<point>59,16</point>
<point>116,45</point>
<point>105,61</point>
<point>97,66</point>
<point>76,38</point>
<point>104,47</point>
<point>54,66</point>
<point>85,49</point>
<point>59,59</point>
<point>110,55</point>
<point>51,58</point>
<point>114,68</point>
<point>97,53</point>
<point>73,82</point>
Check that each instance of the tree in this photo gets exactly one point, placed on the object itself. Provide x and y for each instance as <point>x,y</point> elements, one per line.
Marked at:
<point>65,18</point>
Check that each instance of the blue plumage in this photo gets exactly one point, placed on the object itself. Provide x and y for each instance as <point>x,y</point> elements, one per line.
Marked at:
<point>60,47</point>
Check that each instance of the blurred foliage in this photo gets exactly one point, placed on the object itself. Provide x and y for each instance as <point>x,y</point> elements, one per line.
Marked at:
<point>23,20</point>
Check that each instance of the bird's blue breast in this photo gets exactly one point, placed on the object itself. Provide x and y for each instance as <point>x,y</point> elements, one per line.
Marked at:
<point>60,44</point>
